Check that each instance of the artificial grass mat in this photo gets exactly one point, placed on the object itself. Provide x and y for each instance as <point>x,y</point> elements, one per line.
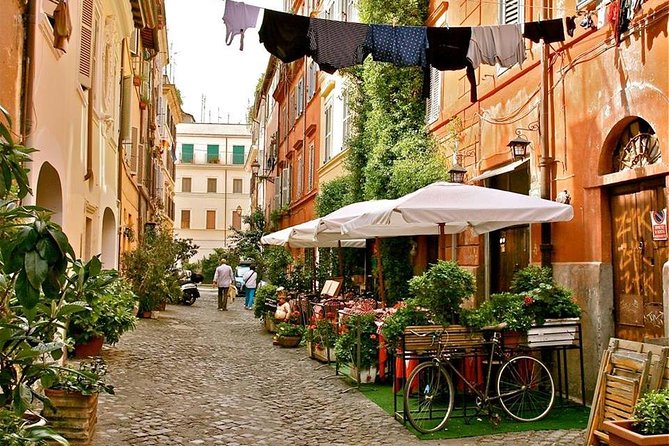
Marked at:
<point>566,417</point>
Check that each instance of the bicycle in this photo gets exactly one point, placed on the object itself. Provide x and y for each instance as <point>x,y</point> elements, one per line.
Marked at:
<point>525,387</point>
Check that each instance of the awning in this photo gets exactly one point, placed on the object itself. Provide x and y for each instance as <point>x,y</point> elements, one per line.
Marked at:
<point>137,16</point>
<point>500,170</point>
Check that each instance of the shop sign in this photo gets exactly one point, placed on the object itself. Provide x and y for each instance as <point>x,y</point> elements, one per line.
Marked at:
<point>659,221</point>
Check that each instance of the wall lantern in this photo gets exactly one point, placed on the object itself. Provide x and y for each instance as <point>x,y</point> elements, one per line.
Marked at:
<point>520,143</point>
<point>255,167</point>
<point>457,173</point>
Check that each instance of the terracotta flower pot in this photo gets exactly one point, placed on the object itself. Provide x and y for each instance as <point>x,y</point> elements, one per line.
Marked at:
<point>91,348</point>
<point>621,434</point>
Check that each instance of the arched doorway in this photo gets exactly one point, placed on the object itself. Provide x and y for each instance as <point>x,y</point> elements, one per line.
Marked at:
<point>109,241</point>
<point>48,193</point>
<point>638,253</point>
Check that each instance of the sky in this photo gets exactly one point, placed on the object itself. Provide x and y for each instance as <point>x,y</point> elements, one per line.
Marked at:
<point>202,64</point>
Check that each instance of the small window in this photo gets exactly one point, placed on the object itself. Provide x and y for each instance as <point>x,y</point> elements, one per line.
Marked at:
<point>511,11</point>
<point>237,186</point>
<point>185,184</point>
<point>185,219</point>
<point>211,219</point>
<point>237,154</point>
<point>211,185</point>
<point>212,153</point>
<point>186,153</point>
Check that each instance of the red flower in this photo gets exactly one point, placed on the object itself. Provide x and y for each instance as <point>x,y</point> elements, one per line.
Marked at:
<point>373,337</point>
<point>528,300</point>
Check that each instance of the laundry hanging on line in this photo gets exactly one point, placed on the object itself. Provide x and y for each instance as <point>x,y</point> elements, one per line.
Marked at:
<point>335,44</point>
<point>238,17</point>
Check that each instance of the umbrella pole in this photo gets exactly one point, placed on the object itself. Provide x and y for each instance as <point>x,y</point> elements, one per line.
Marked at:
<point>442,242</point>
<point>314,282</point>
<point>382,287</point>
<point>340,257</point>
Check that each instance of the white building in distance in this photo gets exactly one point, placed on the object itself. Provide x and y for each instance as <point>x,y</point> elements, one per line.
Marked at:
<point>212,185</point>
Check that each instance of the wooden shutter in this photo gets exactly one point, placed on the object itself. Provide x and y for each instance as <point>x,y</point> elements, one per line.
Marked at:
<point>134,150</point>
<point>434,101</point>
<point>300,177</point>
<point>140,163</point>
<point>237,186</point>
<point>237,154</point>
<point>211,219</point>
<point>310,168</point>
<point>185,184</point>
<point>126,100</point>
<point>512,11</point>
<point>86,45</point>
<point>212,153</point>
<point>186,153</point>
<point>185,219</point>
<point>284,187</point>
<point>277,190</point>
<point>211,185</point>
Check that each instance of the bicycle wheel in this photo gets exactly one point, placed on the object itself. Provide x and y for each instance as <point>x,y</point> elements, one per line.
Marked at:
<point>428,397</point>
<point>525,388</point>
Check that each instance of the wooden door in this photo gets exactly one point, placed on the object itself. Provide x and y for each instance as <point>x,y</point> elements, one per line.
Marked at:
<point>637,260</point>
<point>510,252</point>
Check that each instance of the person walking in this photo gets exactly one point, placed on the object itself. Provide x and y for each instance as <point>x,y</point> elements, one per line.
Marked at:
<point>223,277</point>
<point>250,281</point>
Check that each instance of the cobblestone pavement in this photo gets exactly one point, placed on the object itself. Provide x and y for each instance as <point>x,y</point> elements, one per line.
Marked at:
<point>201,376</point>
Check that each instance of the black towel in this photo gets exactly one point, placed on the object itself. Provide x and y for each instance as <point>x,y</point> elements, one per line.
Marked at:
<point>285,35</point>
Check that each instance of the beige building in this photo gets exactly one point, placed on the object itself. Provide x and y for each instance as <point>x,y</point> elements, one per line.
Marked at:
<point>212,185</point>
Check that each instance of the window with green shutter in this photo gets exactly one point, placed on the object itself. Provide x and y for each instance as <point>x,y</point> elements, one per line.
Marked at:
<point>186,153</point>
<point>212,153</point>
<point>237,154</point>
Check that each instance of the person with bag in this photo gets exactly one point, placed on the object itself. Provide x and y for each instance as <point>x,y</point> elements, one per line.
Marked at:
<point>223,278</point>
<point>249,288</point>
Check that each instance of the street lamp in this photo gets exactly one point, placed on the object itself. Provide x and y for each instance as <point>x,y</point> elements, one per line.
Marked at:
<point>520,143</point>
<point>457,173</point>
<point>255,167</point>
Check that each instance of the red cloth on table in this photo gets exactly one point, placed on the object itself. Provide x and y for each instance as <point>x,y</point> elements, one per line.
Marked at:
<point>409,364</point>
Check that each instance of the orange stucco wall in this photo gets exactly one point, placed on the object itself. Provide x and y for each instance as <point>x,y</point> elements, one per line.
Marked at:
<point>11,56</point>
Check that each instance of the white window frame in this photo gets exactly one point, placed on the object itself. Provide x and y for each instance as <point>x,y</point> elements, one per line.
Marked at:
<point>433,107</point>
<point>310,167</point>
<point>327,118</point>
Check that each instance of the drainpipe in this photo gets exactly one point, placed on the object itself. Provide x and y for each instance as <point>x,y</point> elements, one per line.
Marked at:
<point>29,74</point>
<point>545,161</point>
<point>225,197</point>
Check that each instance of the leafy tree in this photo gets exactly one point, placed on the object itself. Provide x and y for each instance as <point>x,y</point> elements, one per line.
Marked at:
<point>333,195</point>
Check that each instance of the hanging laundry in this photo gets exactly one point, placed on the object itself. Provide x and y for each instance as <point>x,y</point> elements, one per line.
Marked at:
<point>400,45</point>
<point>238,17</point>
<point>62,28</point>
<point>491,45</point>
<point>335,45</point>
<point>570,24</point>
<point>285,35</point>
<point>447,51</point>
<point>549,30</point>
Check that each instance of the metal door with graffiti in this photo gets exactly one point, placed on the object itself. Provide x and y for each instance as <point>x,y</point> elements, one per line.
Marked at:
<point>637,260</point>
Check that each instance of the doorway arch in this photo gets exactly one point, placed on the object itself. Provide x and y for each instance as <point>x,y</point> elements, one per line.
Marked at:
<point>49,194</point>
<point>109,239</point>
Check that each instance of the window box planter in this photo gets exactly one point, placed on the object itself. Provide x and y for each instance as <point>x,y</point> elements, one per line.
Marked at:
<point>320,353</point>
<point>554,332</point>
<point>367,376</point>
<point>621,434</point>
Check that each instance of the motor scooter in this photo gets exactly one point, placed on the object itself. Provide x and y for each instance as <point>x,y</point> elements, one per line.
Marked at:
<point>189,291</point>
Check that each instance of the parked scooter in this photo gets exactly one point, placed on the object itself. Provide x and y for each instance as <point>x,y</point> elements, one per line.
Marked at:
<point>189,291</point>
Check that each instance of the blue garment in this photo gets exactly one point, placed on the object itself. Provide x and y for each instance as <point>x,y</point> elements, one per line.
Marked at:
<point>399,45</point>
<point>250,296</point>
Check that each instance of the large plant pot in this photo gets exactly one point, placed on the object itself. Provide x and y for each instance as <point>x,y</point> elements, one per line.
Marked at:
<point>513,339</point>
<point>75,416</point>
<point>367,376</point>
<point>289,341</point>
<point>621,434</point>
<point>161,306</point>
<point>91,348</point>
<point>554,332</point>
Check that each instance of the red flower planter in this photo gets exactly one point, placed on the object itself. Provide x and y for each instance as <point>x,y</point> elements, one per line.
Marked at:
<point>621,434</point>
<point>91,348</point>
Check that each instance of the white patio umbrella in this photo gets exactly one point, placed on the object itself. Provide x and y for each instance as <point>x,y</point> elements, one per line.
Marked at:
<point>283,238</point>
<point>456,207</point>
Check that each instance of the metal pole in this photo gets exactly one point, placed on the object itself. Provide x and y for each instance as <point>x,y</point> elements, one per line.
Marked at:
<point>545,161</point>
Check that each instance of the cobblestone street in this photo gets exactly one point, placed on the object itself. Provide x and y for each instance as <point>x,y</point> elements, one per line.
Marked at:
<point>200,376</point>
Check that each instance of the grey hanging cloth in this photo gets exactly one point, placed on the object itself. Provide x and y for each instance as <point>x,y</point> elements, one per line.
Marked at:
<point>334,45</point>
<point>447,51</point>
<point>501,44</point>
<point>238,17</point>
<point>549,30</point>
<point>285,35</point>
<point>399,45</point>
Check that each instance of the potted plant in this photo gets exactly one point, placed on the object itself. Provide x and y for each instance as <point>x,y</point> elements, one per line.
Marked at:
<point>72,399</point>
<point>650,425</point>
<point>288,335</point>
<point>442,289</point>
<point>110,314</point>
<point>405,314</point>
<point>18,431</point>
<point>359,336</point>
<point>503,308</point>
<point>321,337</point>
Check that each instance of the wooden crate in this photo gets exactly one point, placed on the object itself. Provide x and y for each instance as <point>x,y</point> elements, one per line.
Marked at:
<point>554,332</point>
<point>426,338</point>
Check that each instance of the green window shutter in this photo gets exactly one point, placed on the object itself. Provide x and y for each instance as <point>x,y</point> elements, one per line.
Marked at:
<point>237,154</point>
<point>186,153</point>
<point>212,153</point>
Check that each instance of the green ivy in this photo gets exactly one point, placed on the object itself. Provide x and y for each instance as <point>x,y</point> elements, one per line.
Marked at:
<point>333,195</point>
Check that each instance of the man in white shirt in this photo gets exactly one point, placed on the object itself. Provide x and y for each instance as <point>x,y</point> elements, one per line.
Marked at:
<point>223,277</point>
